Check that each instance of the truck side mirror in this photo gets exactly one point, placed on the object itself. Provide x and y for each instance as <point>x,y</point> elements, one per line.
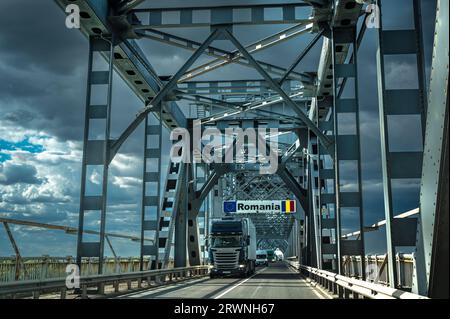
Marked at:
<point>248,240</point>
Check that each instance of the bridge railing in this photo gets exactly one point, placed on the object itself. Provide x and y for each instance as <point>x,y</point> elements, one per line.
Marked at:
<point>347,287</point>
<point>376,269</point>
<point>98,284</point>
<point>47,267</point>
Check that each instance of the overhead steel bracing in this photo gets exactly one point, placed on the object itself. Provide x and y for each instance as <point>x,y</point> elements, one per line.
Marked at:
<point>305,107</point>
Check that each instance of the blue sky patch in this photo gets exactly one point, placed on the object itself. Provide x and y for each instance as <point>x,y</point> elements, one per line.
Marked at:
<point>24,145</point>
<point>4,157</point>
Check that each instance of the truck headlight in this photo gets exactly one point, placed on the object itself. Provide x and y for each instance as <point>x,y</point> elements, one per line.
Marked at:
<point>241,266</point>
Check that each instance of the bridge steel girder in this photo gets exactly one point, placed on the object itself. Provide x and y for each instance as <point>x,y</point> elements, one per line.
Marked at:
<point>152,153</point>
<point>257,88</point>
<point>219,15</point>
<point>399,102</point>
<point>432,255</point>
<point>96,152</point>
<point>347,147</point>
<point>300,57</point>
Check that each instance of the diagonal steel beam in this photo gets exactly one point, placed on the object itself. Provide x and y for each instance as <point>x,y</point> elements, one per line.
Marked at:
<point>326,142</point>
<point>19,263</point>
<point>160,95</point>
<point>300,57</point>
<point>127,6</point>
<point>294,187</point>
<point>237,56</point>
<point>206,188</point>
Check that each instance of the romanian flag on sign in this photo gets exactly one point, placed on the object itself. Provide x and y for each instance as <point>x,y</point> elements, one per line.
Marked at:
<point>288,206</point>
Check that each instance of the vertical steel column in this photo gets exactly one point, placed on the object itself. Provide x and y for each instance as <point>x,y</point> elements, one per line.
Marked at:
<point>207,209</point>
<point>432,255</point>
<point>311,247</point>
<point>193,231</point>
<point>399,102</point>
<point>327,198</point>
<point>180,257</point>
<point>153,132</point>
<point>347,146</point>
<point>314,209</point>
<point>96,152</point>
<point>171,209</point>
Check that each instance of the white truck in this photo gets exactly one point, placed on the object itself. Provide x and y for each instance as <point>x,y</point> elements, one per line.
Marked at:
<point>261,258</point>
<point>233,247</point>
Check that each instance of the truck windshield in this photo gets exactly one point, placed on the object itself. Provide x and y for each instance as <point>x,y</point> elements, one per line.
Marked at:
<point>228,241</point>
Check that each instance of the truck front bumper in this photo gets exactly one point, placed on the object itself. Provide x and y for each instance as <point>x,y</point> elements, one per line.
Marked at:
<point>228,272</point>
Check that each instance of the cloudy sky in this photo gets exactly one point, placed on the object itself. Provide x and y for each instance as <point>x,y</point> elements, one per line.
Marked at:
<point>43,68</point>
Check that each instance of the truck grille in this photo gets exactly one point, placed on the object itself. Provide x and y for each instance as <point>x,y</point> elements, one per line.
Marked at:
<point>226,260</point>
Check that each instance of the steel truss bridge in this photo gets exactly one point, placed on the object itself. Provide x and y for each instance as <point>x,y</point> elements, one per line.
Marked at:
<point>307,108</point>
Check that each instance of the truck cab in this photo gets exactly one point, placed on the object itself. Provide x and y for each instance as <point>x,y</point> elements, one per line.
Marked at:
<point>261,258</point>
<point>233,247</point>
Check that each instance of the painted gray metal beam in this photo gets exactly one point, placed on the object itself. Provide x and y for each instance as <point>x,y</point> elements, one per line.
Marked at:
<point>218,15</point>
<point>96,152</point>
<point>300,57</point>
<point>127,5</point>
<point>395,164</point>
<point>67,229</point>
<point>432,254</point>
<point>294,187</point>
<point>181,220</point>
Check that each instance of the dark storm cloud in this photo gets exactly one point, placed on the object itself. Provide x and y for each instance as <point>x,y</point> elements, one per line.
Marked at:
<point>27,29</point>
<point>14,174</point>
<point>18,116</point>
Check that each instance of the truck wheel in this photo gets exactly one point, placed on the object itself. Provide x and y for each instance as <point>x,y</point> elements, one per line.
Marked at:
<point>212,276</point>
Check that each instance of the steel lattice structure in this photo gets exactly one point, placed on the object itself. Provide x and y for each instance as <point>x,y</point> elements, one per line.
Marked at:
<point>306,106</point>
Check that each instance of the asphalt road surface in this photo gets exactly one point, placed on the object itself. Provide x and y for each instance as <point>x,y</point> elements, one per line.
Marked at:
<point>274,282</point>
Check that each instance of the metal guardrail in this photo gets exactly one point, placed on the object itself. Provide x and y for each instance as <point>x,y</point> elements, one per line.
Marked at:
<point>352,267</point>
<point>347,288</point>
<point>48,267</point>
<point>37,287</point>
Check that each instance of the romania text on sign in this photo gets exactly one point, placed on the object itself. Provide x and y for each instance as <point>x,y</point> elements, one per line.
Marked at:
<point>263,206</point>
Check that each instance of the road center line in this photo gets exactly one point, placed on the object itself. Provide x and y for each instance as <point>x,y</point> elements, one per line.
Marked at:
<point>239,283</point>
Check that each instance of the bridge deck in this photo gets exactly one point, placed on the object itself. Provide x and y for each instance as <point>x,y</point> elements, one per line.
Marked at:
<point>274,282</point>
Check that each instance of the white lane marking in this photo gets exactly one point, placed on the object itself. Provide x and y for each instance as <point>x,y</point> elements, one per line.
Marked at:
<point>314,291</point>
<point>313,288</point>
<point>239,283</point>
<point>324,292</point>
